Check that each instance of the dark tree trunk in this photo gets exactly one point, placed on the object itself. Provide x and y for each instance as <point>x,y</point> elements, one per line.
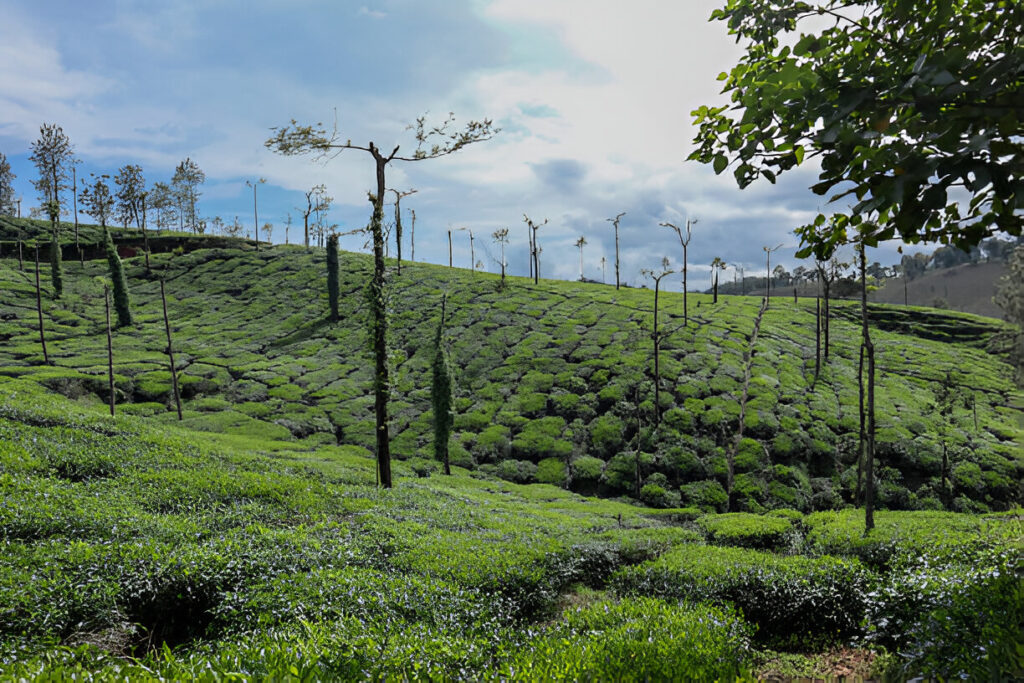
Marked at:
<point>110,350</point>
<point>381,385</point>
<point>39,310</point>
<point>686,319</point>
<point>869,450</point>
<point>616,256</point>
<point>817,337</point>
<point>715,290</point>
<point>170,352</point>
<point>657,366</point>
<point>862,433</point>
<point>398,233</point>
<point>449,248</point>
<point>21,259</point>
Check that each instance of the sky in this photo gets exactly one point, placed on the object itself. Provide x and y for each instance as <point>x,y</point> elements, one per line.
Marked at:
<point>593,99</point>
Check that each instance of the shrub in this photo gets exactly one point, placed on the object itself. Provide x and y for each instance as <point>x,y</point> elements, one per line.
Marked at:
<point>636,640</point>
<point>541,439</point>
<point>606,435</point>
<point>551,471</point>
<point>517,471</point>
<point>707,495</point>
<point>587,471</point>
<point>793,600</point>
<point>745,530</point>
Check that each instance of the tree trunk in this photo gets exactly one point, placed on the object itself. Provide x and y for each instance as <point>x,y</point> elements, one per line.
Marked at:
<point>825,329</point>
<point>398,233</point>
<point>145,235</point>
<point>869,451</point>
<point>529,240</point>
<point>657,368</point>
<point>170,353</point>
<point>536,259</point>
<point>449,248</point>
<point>39,310</point>
<point>21,259</point>
<point>412,236</point>
<point>616,255</point>
<point>110,350</point>
<point>74,193</point>
<point>381,383</point>
<point>715,290</point>
<point>686,320</point>
<point>862,433</point>
<point>817,337</point>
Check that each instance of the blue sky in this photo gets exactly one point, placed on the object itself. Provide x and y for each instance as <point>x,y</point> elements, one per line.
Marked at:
<point>593,98</point>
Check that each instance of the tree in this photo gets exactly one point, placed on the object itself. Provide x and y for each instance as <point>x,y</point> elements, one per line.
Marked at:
<point>1010,297</point>
<point>287,227</point>
<point>332,276</point>
<point>904,105</point>
<point>441,394</point>
<point>717,264</point>
<point>432,142</point>
<point>97,200</point>
<point>501,238</point>
<point>615,222</point>
<point>52,155</point>
<point>656,335</point>
<point>7,203</point>
<point>398,222</point>
<point>412,235</point>
<point>768,270</point>
<point>532,229</point>
<point>185,185</point>
<point>867,423</point>
<point>317,202</point>
<point>131,188</point>
<point>686,243</point>
<point>255,212</point>
<point>161,200</point>
<point>118,282</point>
<point>268,230</point>
<point>580,243</point>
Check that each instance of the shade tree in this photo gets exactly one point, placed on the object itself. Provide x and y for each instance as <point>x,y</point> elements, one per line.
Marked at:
<point>432,142</point>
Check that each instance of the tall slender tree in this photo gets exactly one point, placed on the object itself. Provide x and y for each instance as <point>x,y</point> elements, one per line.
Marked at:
<point>685,242</point>
<point>131,188</point>
<point>656,335</point>
<point>110,350</point>
<point>332,276</point>
<point>869,427</point>
<point>7,203</point>
<point>768,271</point>
<point>501,238</point>
<point>39,312</point>
<point>399,196</point>
<point>185,184</point>
<point>255,211</point>
<point>97,200</point>
<point>412,235</point>
<point>615,222</point>
<point>53,156</point>
<point>534,248</point>
<point>441,394</point>
<point>432,142</point>
<point>717,264</point>
<point>580,243</point>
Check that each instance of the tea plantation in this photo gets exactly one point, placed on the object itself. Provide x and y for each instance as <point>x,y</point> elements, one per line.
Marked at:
<point>249,539</point>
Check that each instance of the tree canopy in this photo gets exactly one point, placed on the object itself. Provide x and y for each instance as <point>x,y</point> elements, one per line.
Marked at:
<point>912,108</point>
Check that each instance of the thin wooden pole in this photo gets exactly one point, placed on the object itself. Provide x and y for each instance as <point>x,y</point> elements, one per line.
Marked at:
<point>170,352</point>
<point>110,349</point>
<point>39,310</point>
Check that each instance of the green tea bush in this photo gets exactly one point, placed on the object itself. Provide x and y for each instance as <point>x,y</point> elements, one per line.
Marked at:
<point>707,495</point>
<point>795,601</point>
<point>635,640</point>
<point>745,530</point>
<point>551,471</point>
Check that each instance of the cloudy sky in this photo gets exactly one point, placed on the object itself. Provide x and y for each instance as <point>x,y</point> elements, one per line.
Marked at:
<point>593,98</point>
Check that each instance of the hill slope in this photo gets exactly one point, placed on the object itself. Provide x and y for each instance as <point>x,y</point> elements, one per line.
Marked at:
<point>547,378</point>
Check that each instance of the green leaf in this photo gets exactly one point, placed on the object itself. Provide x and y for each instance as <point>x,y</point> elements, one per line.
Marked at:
<point>720,163</point>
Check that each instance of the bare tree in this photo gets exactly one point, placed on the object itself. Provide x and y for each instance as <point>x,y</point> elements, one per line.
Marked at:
<point>185,183</point>
<point>501,238</point>
<point>432,142</point>
<point>656,335</point>
<point>534,249</point>
<point>768,271</point>
<point>314,196</point>
<point>398,222</point>
<point>255,213</point>
<point>412,235</point>
<point>615,222</point>
<point>686,243</point>
<point>580,243</point>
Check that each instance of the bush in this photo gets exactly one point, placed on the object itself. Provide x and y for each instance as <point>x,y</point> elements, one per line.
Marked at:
<point>636,640</point>
<point>707,495</point>
<point>745,530</point>
<point>517,471</point>
<point>587,471</point>
<point>542,438</point>
<point>606,435</point>
<point>551,471</point>
<point>795,601</point>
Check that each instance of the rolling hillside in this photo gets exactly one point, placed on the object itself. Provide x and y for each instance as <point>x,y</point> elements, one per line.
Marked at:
<point>249,540</point>
<point>553,382</point>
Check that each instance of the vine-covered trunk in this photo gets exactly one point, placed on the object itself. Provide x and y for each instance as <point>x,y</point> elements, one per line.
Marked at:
<point>381,382</point>
<point>110,350</point>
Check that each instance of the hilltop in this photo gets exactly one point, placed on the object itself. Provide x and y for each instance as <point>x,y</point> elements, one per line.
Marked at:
<point>553,381</point>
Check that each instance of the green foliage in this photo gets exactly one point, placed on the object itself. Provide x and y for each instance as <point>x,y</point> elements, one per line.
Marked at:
<point>871,121</point>
<point>441,395</point>
<point>792,600</point>
<point>746,530</point>
<point>119,283</point>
